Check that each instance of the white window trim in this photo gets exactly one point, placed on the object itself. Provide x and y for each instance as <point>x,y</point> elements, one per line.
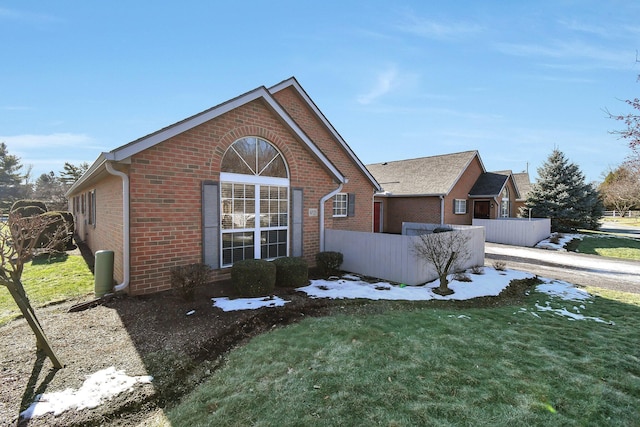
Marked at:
<point>456,204</point>
<point>346,205</point>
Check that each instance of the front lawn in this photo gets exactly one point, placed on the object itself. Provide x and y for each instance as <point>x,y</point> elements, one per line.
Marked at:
<point>606,245</point>
<point>545,362</point>
<point>47,280</point>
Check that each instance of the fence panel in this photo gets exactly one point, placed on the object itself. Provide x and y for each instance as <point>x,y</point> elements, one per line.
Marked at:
<point>391,256</point>
<point>515,231</point>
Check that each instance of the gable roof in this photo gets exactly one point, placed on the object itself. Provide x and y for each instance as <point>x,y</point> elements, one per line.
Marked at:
<point>491,184</point>
<point>425,176</point>
<point>293,83</point>
<point>123,153</point>
<point>523,183</point>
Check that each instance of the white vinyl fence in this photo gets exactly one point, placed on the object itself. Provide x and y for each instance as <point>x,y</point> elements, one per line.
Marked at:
<point>392,257</point>
<point>515,231</point>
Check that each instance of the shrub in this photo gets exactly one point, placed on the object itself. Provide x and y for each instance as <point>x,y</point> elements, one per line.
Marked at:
<point>291,272</point>
<point>185,278</point>
<point>27,211</point>
<point>442,229</point>
<point>500,265</point>
<point>329,262</point>
<point>253,277</point>
<point>27,204</point>
<point>59,229</point>
<point>478,269</point>
<point>461,276</point>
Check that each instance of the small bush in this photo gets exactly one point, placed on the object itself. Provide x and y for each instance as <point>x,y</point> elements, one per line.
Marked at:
<point>478,269</point>
<point>186,278</point>
<point>27,211</point>
<point>329,262</point>
<point>291,272</point>
<point>499,265</point>
<point>253,277</point>
<point>29,203</point>
<point>59,229</point>
<point>461,276</point>
<point>442,229</point>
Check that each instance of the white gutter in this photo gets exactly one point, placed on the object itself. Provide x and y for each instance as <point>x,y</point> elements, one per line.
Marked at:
<point>441,210</point>
<point>125,226</point>
<point>322,202</point>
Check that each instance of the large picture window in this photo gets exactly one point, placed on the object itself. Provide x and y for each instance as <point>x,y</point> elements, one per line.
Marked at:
<point>254,197</point>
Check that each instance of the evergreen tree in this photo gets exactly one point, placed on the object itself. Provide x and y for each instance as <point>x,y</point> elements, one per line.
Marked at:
<point>72,173</point>
<point>562,195</point>
<point>11,188</point>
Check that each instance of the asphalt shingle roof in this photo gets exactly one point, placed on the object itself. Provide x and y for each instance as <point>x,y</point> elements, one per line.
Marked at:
<point>489,184</point>
<point>435,175</point>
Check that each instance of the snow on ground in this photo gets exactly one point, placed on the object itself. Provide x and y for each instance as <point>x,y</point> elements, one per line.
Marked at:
<point>491,283</point>
<point>97,388</point>
<point>227,304</point>
<point>563,239</point>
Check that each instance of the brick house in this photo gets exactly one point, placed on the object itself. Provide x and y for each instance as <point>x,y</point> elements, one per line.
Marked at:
<point>445,189</point>
<point>259,176</point>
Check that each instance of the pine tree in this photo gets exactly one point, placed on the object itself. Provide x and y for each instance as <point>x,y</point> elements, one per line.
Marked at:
<point>11,188</point>
<point>562,195</point>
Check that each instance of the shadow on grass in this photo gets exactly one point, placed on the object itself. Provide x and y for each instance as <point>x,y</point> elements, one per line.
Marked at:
<point>44,259</point>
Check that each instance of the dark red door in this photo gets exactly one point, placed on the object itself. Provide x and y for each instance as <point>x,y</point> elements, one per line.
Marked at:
<point>377,214</point>
<point>481,209</point>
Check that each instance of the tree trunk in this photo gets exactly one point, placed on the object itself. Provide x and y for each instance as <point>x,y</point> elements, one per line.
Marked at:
<point>17,292</point>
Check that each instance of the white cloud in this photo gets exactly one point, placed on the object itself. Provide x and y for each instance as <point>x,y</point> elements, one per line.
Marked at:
<point>438,30</point>
<point>385,81</point>
<point>18,15</point>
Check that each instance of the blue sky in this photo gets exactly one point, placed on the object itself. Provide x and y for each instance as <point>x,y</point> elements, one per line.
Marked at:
<point>398,79</point>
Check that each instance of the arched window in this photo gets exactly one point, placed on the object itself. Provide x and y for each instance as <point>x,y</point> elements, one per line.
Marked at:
<point>254,202</point>
<point>504,204</point>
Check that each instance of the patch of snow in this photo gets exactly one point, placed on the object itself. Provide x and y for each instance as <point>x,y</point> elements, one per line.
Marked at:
<point>570,315</point>
<point>489,284</point>
<point>227,304</point>
<point>564,290</point>
<point>96,389</point>
<point>562,241</point>
<point>189,313</point>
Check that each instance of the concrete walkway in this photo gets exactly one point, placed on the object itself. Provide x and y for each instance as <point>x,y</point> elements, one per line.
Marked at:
<point>579,269</point>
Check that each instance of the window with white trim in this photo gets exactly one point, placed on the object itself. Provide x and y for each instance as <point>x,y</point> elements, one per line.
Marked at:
<point>460,206</point>
<point>254,202</point>
<point>340,205</point>
<point>504,203</point>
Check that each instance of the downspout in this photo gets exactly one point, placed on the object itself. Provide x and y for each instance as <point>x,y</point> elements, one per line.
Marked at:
<point>441,210</point>
<point>125,226</point>
<point>322,202</point>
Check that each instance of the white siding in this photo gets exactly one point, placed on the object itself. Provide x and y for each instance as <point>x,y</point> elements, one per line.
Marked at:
<point>516,231</point>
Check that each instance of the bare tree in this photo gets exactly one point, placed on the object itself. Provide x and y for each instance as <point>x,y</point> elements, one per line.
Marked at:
<point>20,239</point>
<point>621,188</point>
<point>446,251</point>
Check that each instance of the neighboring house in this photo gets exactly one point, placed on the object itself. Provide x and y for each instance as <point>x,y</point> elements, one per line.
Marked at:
<point>259,176</point>
<point>523,184</point>
<point>494,195</point>
<point>445,189</point>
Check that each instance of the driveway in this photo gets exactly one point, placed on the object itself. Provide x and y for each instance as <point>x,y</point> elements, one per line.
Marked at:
<point>621,229</point>
<point>579,269</point>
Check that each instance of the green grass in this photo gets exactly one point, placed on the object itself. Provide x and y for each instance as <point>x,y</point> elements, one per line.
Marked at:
<point>430,366</point>
<point>49,280</point>
<point>605,245</point>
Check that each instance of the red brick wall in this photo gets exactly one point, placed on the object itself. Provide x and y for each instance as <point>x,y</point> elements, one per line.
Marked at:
<point>461,191</point>
<point>410,209</point>
<point>106,234</point>
<point>358,182</point>
<point>166,179</point>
